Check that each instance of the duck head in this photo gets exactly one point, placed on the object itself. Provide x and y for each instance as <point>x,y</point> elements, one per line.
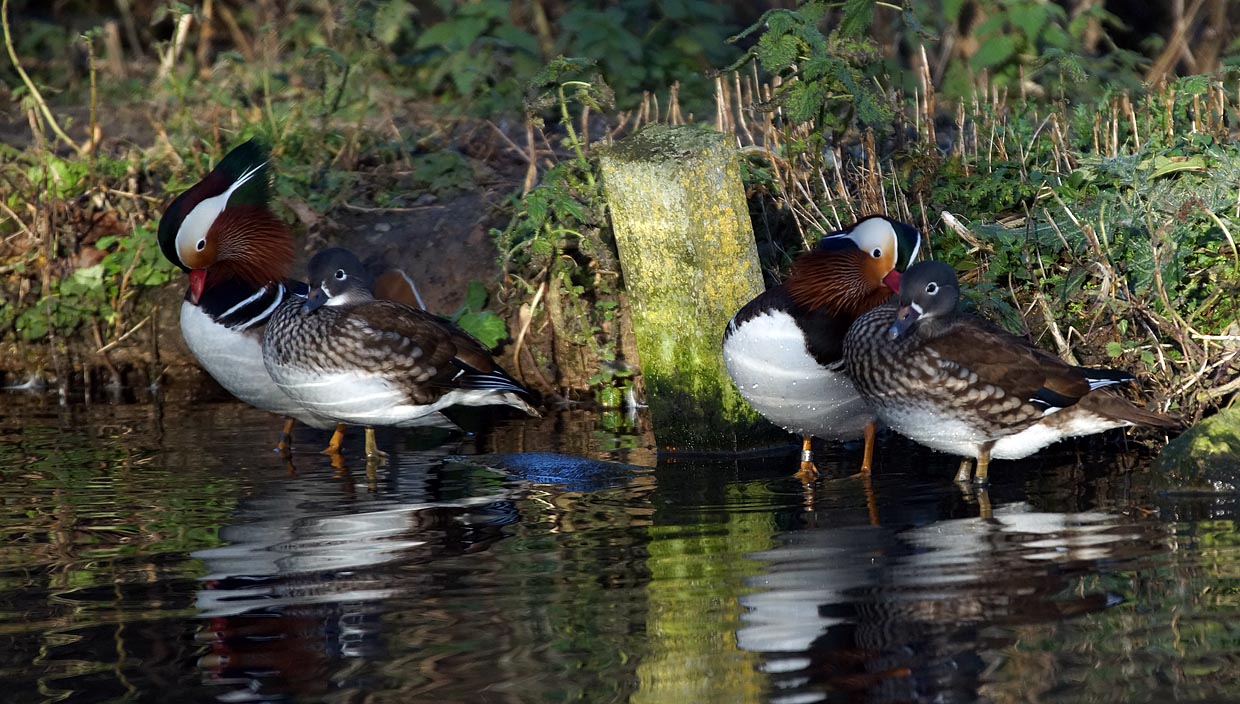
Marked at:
<point>855,269</point>
<point>337,278</point>
<point>223,227</point>
<point>929,291</point>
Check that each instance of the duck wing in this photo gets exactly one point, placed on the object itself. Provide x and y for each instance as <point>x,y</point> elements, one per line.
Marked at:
<point>1008,362</point>
<point>431,353</point>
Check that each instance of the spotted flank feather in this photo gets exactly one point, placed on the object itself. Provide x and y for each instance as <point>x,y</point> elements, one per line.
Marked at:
<point>959,384</point>
<point>355,359</point>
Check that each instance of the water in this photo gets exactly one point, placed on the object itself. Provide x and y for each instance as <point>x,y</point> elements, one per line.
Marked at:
<point>163,553</point>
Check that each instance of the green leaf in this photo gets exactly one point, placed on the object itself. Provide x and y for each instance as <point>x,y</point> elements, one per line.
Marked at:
<point>32,324</point>
<point>993,52</point>
<point>488,327</point>
<point>90,276</point>
<point>475,296</point>
<point>777,52</point>
<point>330,54</point>
<point>951,9</point>
<point>1029,18</point>
<point>1165,165</point>
<point>857,17</point>
<point>1114,349</point>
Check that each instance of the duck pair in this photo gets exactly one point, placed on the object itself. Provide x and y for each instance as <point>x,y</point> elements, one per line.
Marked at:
<point>326,354</point>
<point>827,366</point>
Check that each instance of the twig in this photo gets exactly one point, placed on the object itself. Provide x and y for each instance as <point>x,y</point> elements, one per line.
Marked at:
<point>30,86</point>
<point>1226,233</point>
<point>174,51</point>
<point>525,327</point>
<point>364,209</point>
<point>120,339</point>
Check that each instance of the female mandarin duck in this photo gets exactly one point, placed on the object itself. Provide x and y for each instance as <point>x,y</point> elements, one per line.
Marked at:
<point>238,255</point>
<point>350,358</point>
<point>784,349</point>
<point>958,384</point>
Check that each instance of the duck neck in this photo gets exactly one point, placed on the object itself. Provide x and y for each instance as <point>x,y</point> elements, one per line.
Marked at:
<point>835,282</point>
<point>254,248</point>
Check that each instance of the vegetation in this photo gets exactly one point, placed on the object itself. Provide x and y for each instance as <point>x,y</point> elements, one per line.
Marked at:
<point>1048,151</point>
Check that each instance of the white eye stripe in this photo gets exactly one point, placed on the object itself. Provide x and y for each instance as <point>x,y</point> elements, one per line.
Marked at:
<point>198,221</point>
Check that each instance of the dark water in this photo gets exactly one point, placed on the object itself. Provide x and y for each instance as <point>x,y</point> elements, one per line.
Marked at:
<point>166,554</point>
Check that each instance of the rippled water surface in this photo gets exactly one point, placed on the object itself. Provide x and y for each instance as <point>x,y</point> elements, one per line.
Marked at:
<point>164,553</point>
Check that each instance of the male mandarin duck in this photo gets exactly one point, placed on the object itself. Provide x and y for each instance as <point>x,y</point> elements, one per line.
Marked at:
<point>239,255</point>
<point>350,358</point>
<point>958,384</point>
<point>784,349</point>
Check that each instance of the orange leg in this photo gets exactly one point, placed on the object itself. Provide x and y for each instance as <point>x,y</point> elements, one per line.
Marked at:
<point>333,446</point>
<point>871,501</point>
<point>809,470</point>
<point>337,460</point>
<point>285,446</point>
<point>867,459</point>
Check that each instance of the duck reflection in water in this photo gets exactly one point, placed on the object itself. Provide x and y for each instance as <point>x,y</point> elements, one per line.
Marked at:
<point>297,585</point>
<point>893,616</point>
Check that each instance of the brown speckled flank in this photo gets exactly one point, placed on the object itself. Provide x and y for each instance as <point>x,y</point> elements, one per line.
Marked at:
<point>352,359</point>
<point>958,384</point>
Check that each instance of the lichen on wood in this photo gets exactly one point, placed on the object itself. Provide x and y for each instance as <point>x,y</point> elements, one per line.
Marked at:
<point>689,262</point>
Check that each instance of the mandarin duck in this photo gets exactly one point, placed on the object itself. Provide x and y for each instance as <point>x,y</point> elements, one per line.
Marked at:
<point>958,384</point>
<point>239,255</point>
<point>784,349</point>
<point>348,357</point>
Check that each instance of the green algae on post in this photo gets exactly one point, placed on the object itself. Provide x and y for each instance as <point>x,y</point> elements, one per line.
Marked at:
<point>689,261</point>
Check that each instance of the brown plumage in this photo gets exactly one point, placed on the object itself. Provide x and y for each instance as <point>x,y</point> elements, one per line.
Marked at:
<point>394,285</point>
<point>841,283</point>
<point>422,353</point>
<point>959,384</point>
<point>349,358</point>
<point>248,242</point>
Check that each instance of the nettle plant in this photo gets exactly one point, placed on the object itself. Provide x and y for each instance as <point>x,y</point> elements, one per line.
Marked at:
<point>559,243</point>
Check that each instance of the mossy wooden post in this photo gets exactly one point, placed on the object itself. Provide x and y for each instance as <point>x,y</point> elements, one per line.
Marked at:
<point>687,253</point>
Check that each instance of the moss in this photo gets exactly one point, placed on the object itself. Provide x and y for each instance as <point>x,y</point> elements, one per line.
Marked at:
<point>689,262</point>
<point>1204,459</point>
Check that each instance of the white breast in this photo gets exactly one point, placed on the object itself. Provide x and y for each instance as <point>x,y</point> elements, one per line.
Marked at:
<point>767,358</point>
<point>353,397</point>
<point>235,360</point>
<point>932,429</point>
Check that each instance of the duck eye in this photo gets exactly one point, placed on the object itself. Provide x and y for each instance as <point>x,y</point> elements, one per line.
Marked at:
<point>340,275</point>
<point>202,244</point>
<point>932,288</point>
<point>876,253</point>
